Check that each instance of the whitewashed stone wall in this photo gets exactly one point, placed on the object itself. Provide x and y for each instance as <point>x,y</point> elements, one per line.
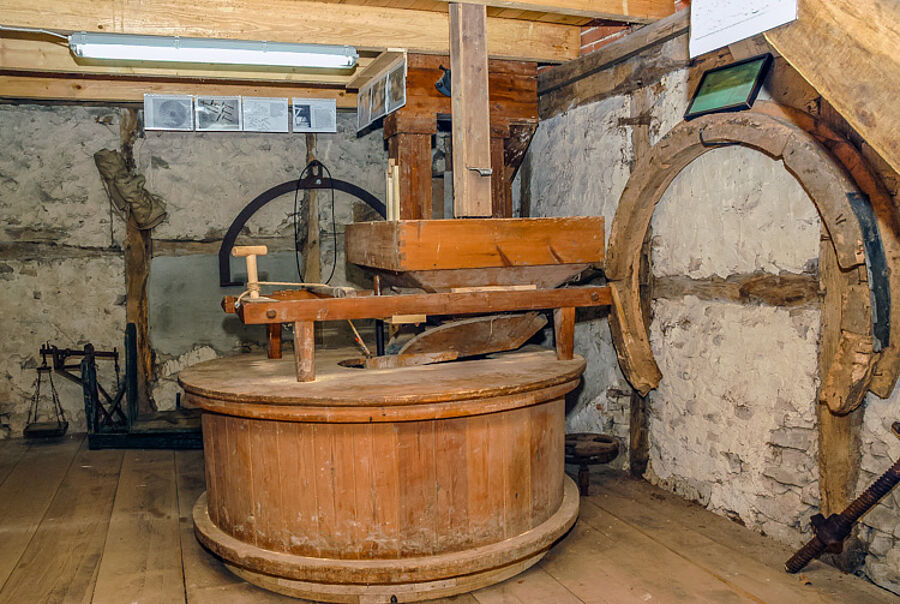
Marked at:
<point>74,291</point>
<point>732,424</point>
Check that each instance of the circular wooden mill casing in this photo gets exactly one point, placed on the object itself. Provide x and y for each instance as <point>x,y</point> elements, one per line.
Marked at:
<point>417,482</point>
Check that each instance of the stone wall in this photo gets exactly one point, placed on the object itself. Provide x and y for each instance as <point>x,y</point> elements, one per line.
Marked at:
<point>732,425</point>
<point>60,255</point>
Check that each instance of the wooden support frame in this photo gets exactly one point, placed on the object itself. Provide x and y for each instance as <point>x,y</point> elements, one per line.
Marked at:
<point>456,303</point>
<point>304,311</point>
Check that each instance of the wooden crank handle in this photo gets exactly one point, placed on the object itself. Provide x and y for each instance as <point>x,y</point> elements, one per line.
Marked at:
<point>241,251</point>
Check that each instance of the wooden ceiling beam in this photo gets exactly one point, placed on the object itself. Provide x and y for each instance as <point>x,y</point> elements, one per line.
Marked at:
<point>366,27</point>
<point>630,11</point>
<point>118,89</point>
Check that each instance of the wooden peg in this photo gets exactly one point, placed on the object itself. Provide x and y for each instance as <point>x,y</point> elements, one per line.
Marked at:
<point>250,252</point>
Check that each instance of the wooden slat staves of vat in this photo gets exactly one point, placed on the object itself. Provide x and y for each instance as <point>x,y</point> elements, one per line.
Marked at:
<point>392,493</point>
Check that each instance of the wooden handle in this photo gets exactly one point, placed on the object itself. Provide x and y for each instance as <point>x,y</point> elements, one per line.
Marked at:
<point>240,251</point>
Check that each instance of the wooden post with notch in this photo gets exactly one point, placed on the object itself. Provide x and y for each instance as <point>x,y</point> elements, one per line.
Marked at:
<point>470,111</point>
<point>305,350</point>
<point>564,332</point>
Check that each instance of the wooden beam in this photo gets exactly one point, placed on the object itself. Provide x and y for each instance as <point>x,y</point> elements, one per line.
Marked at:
<point>860,77</point>
<point>470,110</point>
<point>32,55</point>
<point>461,303</point>
<point>614,53</point>
<point>115,89</point>
<point>564,332</point>
<point>428,245</point>
<point>366,27</point>
<point>630,11</point>
<point>409,143</point>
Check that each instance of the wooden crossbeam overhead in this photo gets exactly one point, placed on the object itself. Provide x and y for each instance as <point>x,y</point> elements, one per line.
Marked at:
<point>131,90</point>
<point>366,27</point>
<point>632,11</point>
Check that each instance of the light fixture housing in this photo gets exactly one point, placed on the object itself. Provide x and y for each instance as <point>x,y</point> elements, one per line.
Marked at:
<point>177,49</point>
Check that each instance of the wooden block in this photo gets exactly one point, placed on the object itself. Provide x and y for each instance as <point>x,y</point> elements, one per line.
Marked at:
<point>413,245</point>
<point>407,319</point>
<point>564,330</point>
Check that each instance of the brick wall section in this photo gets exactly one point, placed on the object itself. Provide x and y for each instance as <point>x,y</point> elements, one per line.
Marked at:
<point>599,32</point>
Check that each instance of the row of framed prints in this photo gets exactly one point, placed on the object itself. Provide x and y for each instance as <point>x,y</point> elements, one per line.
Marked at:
<point>382,95</point>
<point>238,114</point>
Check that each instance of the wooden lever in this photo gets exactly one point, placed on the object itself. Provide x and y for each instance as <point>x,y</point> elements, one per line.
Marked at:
<point>250,252</point>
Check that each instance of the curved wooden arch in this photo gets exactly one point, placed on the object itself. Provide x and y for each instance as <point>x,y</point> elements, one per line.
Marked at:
<point>826,180</point>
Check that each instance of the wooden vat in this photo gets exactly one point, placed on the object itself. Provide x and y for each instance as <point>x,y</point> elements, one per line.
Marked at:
<point>418,482</point>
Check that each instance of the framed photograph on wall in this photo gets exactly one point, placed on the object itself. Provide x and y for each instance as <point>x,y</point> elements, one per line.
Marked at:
<point>314,115</point>
<point>168,112</point>
<point>218,113</point>
<point>396,87</point>
<point>363,108</point>
<point>379,98</point>
<point>265,114</point>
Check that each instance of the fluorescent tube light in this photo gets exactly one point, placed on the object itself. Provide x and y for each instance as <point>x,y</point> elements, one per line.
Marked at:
<point>175,49</point>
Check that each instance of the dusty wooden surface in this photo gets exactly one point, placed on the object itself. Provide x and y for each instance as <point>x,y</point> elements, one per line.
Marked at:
<point>478,335</point>
<point>253,378</point>
<point>625,523</point>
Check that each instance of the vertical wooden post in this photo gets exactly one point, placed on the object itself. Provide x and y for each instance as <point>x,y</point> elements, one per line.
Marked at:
<point>137,273</point>
<point>501,187</point>
<point>639,412</point>
<point>564,332</point>
<point>305,350</point>
<point>409,143</point>
<point>470,110</point>
<point>312,266</point>
<point>273,350</point>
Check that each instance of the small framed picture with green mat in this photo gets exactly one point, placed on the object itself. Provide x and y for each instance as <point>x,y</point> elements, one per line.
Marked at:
<point>729,88</point>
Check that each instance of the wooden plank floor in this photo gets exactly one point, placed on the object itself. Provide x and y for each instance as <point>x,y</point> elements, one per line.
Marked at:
<point>115,526</point>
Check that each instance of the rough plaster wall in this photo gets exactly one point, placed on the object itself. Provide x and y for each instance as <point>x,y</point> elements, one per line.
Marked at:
<point>50,193</point>
<point>734,210</point>
<point>732,424</point>
<point>207,179</point>
<point>880,528</point>
<point>579,164</point>
<point>733,421</point>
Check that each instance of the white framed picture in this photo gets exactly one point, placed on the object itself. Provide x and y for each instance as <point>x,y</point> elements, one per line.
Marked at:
<point>379,98</point>
<point>265,114</point>
<point>396,87</point>
<point>168,112</point>
<point>363,108</point>
<point>218,113</point>
<point>314,115</point>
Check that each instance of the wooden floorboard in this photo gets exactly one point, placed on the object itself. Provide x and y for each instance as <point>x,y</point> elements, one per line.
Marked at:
<point>61,561</point>
<point>26,493</point>
<point>142,554</point>
<point>11,451</point>
<point>750,561</point>
<point>107,526</point>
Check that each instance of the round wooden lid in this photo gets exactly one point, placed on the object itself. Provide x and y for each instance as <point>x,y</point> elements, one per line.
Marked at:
<point>256,379</point>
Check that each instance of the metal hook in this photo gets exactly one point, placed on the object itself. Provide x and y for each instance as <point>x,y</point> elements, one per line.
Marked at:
<point>706,144</point>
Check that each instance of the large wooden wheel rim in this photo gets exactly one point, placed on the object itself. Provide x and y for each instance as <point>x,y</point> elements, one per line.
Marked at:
<point>828,168</point>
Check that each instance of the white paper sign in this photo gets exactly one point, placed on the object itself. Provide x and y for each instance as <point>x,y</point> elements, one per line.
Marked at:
<point>168,112</point>
<point>264,114</point>
<point>718,23</point>
<point>315,115</point>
